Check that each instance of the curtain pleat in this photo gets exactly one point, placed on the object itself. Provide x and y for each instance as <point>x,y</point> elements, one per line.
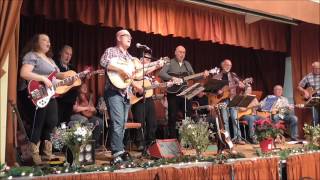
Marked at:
<point>166,17</point>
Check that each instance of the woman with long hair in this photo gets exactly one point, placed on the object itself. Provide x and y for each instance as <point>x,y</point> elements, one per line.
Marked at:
<point>37,64</point>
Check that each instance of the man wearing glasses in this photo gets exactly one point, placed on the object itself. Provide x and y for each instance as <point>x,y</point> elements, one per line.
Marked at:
<point>118,99</point>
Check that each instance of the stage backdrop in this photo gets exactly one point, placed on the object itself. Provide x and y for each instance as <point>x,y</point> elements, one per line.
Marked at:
<point>89,43</point>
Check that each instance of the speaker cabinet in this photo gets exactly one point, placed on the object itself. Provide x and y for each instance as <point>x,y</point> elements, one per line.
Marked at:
<point>165,148</point>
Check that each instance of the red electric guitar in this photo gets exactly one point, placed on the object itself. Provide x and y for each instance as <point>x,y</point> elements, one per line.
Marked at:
<point>41,95</point>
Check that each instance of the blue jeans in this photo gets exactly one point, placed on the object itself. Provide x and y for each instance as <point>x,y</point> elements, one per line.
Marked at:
<point>233,112</point>
<point>250,120</point>
<point>315,114</point>
<point>118,107</point>
<point>290,120</point>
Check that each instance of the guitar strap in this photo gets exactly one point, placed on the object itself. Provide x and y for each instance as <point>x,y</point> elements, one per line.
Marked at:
<point>184,63</point>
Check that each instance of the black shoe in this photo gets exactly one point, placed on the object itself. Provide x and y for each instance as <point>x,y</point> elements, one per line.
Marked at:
<point>126,156</point>
<point>116,160</point>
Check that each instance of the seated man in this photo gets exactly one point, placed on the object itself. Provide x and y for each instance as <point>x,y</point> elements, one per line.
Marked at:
<point>85,114</point>
<point>282,110</point>
<point>249,114</point>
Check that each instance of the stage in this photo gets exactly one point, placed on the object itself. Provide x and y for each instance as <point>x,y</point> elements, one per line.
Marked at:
<point>295,166</point>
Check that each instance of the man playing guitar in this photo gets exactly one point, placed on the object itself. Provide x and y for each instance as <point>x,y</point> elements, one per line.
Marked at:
<point>178,65</point>
<point>282,110</point>
<point>117,99</point>
<point>309,86</point>
<point>144,111</point>
<point>234,82</point>
<point>249,115</point>
<point>66,101</point>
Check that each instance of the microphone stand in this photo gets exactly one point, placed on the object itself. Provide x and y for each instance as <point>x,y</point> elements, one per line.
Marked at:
<point>144,105</point>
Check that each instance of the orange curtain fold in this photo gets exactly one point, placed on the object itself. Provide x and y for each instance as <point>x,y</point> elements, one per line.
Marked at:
<point>166,17</point>
<point>257,169</point>
<point>305,49</point>
<point>303,166</point>
<point>9,43</point>
<point>216,172</point>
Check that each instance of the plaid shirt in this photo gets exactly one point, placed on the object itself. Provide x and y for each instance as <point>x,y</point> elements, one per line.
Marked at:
<point>105,60</point>
<point>311,80</point>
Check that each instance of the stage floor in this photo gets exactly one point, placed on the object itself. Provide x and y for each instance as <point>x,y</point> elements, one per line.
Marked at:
<point>103,157</point>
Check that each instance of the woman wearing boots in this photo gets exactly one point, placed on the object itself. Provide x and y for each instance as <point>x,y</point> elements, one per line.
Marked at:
<point>37,64</point>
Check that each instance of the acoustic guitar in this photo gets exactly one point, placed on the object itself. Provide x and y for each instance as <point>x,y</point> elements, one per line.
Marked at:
<point>148,87</point>
<point>72,79</point>
<point>133,68</point>
<point>223,136</point>
<point>184,76</point>
<point>215,99</point>
<point>311,91</point>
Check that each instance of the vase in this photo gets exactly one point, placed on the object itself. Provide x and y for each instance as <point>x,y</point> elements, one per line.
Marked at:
<point>75,150</point>
<point>266,145</point>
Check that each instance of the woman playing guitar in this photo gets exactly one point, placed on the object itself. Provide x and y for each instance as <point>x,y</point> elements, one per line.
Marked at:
<point>85,113</point>
<point>37,65</point>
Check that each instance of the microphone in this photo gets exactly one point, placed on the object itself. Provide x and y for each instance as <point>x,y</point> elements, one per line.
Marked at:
<point>141,46</point>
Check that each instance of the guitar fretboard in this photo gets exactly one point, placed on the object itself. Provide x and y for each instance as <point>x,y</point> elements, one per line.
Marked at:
<point>69,79</point>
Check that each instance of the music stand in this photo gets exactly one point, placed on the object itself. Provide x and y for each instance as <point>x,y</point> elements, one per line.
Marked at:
<point>189,93</point>
<point>313,102</point>
<point>213,85</point>
<point>240,101</point>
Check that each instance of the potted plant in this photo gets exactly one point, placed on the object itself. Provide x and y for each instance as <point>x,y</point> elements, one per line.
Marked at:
<point>266,132</point>
<point>195,135</point>
<point>312,134</point>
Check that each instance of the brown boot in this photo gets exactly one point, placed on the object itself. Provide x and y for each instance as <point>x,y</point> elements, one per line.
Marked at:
<point>34,148</point>
<point>47,151</point>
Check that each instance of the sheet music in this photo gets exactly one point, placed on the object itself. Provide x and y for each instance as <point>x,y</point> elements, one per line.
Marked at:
<point>269,102</point>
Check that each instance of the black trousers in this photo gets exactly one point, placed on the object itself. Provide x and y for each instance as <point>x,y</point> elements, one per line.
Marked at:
<point>44,122</point>
<point>65,110</point>
<point>149,120</point>
<point>176,104</point>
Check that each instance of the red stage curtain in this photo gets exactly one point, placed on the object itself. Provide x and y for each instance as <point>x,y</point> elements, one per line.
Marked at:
<point>9,40</point>
<point>166,17</point>
<point>89,43</point>
<point>305,49</point>
<point>258,169</point>
<point>305,166</point>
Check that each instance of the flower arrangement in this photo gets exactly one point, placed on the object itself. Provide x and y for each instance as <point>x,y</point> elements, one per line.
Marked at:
<point>265,129</point>
<point>195,135</point>
<point>312,134</point>
<point>73,138</point>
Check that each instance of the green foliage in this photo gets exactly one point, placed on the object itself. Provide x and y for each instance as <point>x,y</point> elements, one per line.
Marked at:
<point>312,134</point>
<point>195,134</point>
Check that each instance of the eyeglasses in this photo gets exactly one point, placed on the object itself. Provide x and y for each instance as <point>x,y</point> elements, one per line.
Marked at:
<point>127,35</point>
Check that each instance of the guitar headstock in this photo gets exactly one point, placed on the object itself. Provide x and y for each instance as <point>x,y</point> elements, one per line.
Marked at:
<point>164,60</point>
<point>214,71</point>
<point>248,81</point>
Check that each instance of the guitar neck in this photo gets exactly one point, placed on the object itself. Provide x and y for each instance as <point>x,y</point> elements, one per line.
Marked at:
<point>193,76</point>
<point>202,107</point>
<point>156,85</point>
<point>69,79</point>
